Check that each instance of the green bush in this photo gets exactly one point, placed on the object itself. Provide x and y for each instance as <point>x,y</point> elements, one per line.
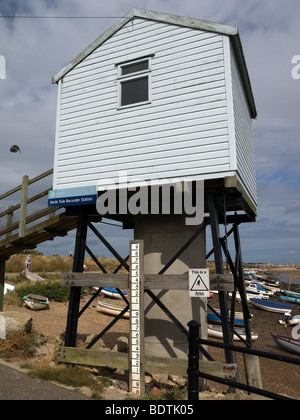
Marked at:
<point>52,290</point>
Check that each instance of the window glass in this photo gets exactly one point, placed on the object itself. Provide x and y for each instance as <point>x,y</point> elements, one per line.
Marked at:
<point>134,91</point>
<point>133,68</point>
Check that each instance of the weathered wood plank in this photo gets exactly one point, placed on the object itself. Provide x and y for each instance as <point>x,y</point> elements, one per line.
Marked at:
<point>93,358</point>
<point>152,364</point>
<point>219,282</point>
<point>95,280</point>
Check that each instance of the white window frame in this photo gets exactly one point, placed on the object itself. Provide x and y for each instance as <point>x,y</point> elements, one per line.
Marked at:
<point>133,76</point>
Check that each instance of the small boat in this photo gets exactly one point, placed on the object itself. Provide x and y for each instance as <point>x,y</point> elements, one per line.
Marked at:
<point>269,286</point>
<point>237,315</point>
<point>256,288</point>
<point>113,293</point>
<point>288,344</point>
<point>215,319</point>
<point>249,296</point>
<point>216,331</point>
<point>110,309</point>
<point>291,294</point>
<point>290,299</point>
<point>36,302</point>
<point>287,319</point>
<point>271,306</point>
<point>8,288</point>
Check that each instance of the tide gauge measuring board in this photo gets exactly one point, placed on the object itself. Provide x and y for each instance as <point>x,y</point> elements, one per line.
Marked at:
<point>136,335</point>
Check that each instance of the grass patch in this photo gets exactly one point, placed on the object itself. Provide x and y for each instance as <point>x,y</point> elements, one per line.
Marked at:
<point>12,298</point>
<point>19,344</point>
<point>68,375</point>
<point>55,264</point>
<point>174,394</point>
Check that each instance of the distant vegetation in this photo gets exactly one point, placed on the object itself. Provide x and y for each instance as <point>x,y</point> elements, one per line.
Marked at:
<point>55,264</point>
<point>50,269</point>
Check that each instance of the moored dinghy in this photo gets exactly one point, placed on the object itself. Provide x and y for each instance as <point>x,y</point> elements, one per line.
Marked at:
<point>36,302</point>
<point>290,299</point>
<point>216,331</point>
<point>291,294</point>
<point>286,343</point>
<point>271,306</point>
<point>112,293</point>
<point>216,320</point>
<point>110,309</point>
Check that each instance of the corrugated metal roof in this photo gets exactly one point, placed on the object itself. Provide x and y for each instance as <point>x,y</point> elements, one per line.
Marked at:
<point>197,24</point>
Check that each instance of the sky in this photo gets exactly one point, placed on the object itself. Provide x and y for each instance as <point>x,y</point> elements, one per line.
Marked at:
<point>34,48</point>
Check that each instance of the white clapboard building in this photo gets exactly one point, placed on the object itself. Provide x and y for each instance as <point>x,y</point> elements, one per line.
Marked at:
<point>156,97</point>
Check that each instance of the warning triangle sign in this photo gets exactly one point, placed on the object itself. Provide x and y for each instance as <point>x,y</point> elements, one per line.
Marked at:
<point>199,285</point>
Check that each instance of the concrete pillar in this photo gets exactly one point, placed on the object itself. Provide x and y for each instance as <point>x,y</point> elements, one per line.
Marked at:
<point>163,236</point>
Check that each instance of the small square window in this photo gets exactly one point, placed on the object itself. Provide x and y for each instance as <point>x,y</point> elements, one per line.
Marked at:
<point>134,91</point>
<point>134,82</point>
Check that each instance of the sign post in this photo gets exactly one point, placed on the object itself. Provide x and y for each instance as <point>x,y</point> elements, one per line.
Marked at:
<point>136,335</point>
<point>199,282</point>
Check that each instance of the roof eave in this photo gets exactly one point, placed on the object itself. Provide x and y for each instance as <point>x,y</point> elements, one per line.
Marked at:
<point>239,53</point>
<point>204,25</point>
<point>99,41</point>
<point>150,15</point>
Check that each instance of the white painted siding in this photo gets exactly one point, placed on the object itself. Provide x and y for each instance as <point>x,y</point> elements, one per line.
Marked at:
<point>182,133</point>
<point>243,134</point>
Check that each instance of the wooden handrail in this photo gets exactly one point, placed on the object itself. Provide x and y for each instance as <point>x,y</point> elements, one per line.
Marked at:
<point>23,220</point>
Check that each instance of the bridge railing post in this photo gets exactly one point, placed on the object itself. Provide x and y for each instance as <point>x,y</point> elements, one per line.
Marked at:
<point>23,207</point>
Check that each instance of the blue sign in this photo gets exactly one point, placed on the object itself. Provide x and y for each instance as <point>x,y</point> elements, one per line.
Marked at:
<point>72,197</point>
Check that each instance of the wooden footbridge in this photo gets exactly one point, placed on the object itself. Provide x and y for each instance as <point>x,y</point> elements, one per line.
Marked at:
<point>26,220</point>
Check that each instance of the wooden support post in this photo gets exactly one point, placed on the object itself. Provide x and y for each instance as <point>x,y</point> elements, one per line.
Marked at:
<point>252,369</point>
<point>2,276</point>
<point>75,292</point>
<point>241,283</point>
<point>23,207</point>
<point>251,362</point>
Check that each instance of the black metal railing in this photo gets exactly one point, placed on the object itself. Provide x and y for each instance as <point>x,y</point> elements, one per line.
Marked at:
<point>193,367</point>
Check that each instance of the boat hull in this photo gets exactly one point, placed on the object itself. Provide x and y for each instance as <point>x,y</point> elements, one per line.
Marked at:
<point>113,293</point>
<point>113,310</point>
<point>215,320</point>
<point>290,299</point>
<point>271,306</point>
<point>288,344</point>
<point>36,302</point>
<point>291,294</point>
<point>216,331</point>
